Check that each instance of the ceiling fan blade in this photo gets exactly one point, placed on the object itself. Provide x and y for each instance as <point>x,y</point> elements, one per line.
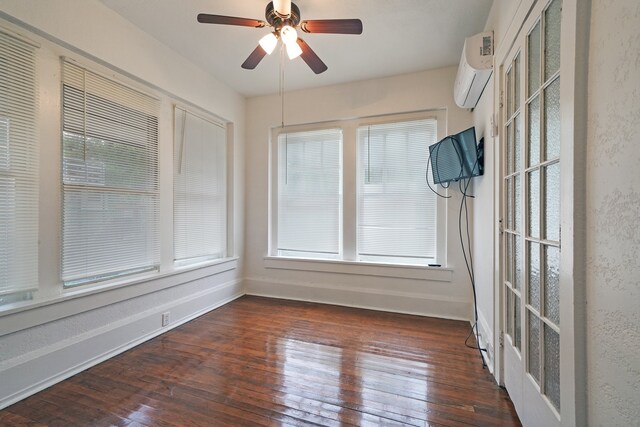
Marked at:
<point>310,57</point>
<point>332,26</point>
<point>254,59</point>
<point>205,18</point>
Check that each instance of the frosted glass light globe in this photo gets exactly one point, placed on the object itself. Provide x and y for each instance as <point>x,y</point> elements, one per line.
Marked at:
<point>289,34</point>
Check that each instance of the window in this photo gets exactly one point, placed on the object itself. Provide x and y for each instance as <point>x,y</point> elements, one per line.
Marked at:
<point>109,177</point>
<point>396,209</point>
<point>18,169</point>
<point>382,211</point>
<point>309,194</point>
<point>200,207</point>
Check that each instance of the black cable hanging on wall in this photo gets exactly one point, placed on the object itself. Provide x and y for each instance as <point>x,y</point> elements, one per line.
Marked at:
<point>468,259</point>
<point>466,251</point>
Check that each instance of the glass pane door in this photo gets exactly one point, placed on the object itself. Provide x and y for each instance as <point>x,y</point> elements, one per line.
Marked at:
<point>542,200</point>
<point>531,206</point>
<point>513,210</point>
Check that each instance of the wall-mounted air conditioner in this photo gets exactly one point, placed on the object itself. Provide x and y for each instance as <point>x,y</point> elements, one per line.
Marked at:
<point>475,69</point>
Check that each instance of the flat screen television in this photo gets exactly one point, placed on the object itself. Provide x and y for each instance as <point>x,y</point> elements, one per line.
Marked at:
<point>456,157</point>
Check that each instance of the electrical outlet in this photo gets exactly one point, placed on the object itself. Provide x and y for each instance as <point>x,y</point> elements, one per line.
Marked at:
<point>165,318</point>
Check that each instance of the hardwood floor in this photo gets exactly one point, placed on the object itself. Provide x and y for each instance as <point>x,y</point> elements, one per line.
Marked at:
<point>259,361</point>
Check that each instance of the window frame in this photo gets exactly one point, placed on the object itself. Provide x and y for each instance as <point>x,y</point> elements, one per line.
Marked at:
<point>152,192</point>
<point>360,186</point>
<point>339,254</point>
<point>49,290</point>
<point>349,171</point>
<point>225,197</point>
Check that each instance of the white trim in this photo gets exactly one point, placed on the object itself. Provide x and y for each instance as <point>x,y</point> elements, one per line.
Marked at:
<point>201,114</point>
<point>192,180</point>
<point>21,316</point>
<point>20,37</point>
<point>505,47</point>
<point>231,197</point>
<point>359,297</point>
<point>435,274</point>
<point>499,221</point>
<point>515,26</point>
<point>349,144</point>
<point>117,77</point>
<point>573,110</point>
<point>37,36</point>
<point>486,341</point>
<point>44,367</point>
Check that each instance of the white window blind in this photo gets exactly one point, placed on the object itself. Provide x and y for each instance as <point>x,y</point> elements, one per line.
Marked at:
<point>200,208</point>
<point>396,209</point>
<point>110,178</point>
<point>18,167</point>
<point>310,194</point>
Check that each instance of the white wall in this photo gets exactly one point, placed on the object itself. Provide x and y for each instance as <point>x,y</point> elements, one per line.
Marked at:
<point>613,209</point>
<point>61,332</point>
<point>484,204</point>
<point>429,292</point>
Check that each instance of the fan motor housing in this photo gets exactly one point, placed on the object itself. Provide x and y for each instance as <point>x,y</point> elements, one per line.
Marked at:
<point>277,21</point>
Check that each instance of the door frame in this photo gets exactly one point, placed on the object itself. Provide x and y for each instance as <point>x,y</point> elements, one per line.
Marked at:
<point>574,48</point>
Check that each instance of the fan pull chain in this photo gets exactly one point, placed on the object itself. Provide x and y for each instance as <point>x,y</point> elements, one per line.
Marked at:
<point>282,84</point>
<point>286,158</point>
<point>368,154</point>
<point>286,136</point>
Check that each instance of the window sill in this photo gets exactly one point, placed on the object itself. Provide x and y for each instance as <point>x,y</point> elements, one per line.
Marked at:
<point>399,271</point>
<point>89,289</point>
<point>84,298</point>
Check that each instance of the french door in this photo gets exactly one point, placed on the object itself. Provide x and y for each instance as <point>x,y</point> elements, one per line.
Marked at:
<point>530,109</point>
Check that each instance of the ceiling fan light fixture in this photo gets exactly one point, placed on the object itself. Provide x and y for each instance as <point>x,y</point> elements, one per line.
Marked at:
<point>269,42</point>
<point>293,50</point>
<point>284,17</point>
<point>289,35</point>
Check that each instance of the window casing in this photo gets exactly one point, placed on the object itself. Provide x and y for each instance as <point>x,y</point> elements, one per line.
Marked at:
<point>199,189</point>
<point>388,214</point>
<point>109,178</point>
<point>49,155</point>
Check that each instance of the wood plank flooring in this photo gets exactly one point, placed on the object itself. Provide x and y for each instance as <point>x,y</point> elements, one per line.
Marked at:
<point>260,361</point>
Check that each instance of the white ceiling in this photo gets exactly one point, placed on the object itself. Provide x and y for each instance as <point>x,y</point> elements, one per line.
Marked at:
<point>399,36</point>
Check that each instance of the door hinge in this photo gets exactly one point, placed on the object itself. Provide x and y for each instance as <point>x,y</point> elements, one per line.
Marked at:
<point>501,339</point>
<point>501,99</point>
<point>500,226</point>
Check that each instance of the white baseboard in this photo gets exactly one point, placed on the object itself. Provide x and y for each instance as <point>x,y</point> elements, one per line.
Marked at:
<point>359,297</point>
<point>486,341</point>
<point>45,367</point>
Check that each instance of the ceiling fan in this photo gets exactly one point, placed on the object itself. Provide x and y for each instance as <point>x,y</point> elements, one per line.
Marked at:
<point>284,17</point>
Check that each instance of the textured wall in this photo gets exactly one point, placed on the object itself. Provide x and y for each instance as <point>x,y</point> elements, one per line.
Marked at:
<point>613,211</point>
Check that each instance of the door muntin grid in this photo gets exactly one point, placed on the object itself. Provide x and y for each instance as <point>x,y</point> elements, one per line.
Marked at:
<point>532,202</point>
<point>513,208</point>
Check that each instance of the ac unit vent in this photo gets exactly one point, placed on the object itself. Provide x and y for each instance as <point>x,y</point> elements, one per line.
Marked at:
<point>487,46</point>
